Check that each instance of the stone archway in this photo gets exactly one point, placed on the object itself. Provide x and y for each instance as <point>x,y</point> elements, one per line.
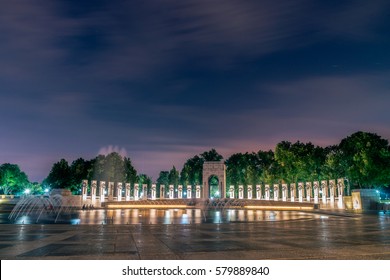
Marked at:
<point>214,187</point>
<point>217,169</point>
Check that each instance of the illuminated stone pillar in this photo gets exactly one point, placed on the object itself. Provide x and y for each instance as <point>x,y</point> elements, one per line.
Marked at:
<point>84,190</point>
<point>110,191</point>
<point>171,192</point>
<point>267,192</point>
<point>189,191</point>
<point>119,191</point>
<point>136,191</point>
<point>316,191</point>
<point>340,190</point>
<point>154,193</point>
<point>324,190</point>
<point>127,191</point>
<point>300,191</point>
<point>197,191</point>
<point>250,192</point>
<point>292,192</point>
<point>93,191</point>
<point>102,191</point>
<point>332,186</point>
<point>284,192</point>
<point>231,191</point>
<point>180,191</point>
<point>162,191</point>
<point>258,192</point>
<point>241,192</point>
<point>276,192</point>
<point>144,191</point>
<point>308,191</point>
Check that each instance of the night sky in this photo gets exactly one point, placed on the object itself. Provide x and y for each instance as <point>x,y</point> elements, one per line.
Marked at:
<point>162,81</point>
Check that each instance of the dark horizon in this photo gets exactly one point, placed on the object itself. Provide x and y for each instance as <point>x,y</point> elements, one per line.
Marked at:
<point>164,82</point>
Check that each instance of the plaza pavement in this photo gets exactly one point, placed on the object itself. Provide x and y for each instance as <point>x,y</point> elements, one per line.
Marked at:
<point>334,236</point>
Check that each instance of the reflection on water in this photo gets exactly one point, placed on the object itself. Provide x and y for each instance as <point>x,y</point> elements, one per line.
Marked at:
<point>170,216</point>
<point>167,216</point>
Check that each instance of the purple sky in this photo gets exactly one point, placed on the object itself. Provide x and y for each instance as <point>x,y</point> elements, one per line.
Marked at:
<point>162,81</point>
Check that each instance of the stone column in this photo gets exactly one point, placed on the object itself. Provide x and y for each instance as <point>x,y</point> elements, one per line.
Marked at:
<point>324,190</point>
<point>332,186</point>
<point>162,191</point>
<point>300,191</point>
<point>144,191</point>
<point>284,192</point>
<point>127,191</point>
<point>180,191</point>
<point>316,191</point>
<point>110,191</point>
<point>308,191</point>
<point>154,193</point>
<point>197,191</point>
<point>340,188</point>
<point>231,191</point>
<point>102,191</point>
<point>171,192</point>
<point>292,192</point>
<point>241,192</point>
<point>258,192</point>
<point>84,189</point>
<point>119,191</point>
<point>136,191</point>
<point>276,192</point>
<point>250,192</point>
<point>267,192</point>
<point>93,191</point>
<point>189,191</point>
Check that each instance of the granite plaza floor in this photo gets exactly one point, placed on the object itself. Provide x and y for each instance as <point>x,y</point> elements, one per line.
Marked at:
<point>334,236</point>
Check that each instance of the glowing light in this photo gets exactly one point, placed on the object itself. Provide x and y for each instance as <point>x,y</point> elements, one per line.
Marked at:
<point>46,190</point>
<point>27,191</point>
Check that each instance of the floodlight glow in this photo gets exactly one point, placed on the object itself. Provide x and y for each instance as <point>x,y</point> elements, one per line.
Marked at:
<point>46,190</point>
<point>217,193</point>
<point>27,191</point>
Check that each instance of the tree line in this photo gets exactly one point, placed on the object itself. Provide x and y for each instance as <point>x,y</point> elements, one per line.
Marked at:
<point>362,158</point>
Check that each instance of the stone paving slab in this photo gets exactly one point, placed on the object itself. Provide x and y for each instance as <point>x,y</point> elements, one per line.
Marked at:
<point>338,237</point>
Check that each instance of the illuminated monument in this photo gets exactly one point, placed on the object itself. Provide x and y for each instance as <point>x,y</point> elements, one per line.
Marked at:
<point>218,170</point>
<point>213,187</point>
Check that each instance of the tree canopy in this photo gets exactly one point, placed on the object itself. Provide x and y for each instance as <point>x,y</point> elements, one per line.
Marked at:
<point>12,179</point>
<point>362,158</point>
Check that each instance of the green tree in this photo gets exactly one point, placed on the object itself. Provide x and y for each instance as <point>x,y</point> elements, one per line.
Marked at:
<point>129,171</point>
<point>173,177</point>
<point>191,174</point>
<point>144,179</point>
<point>79,170</point>
<point>59,176</point>
<point>299,161</point>
<point>163,178</point>
<point>110,168</point>
<point>243,169</point>
<point>270,169</point>
<point>12,179</point>
<point>211,155</point>
<point>366,157</point>
<point>334,165</point>
<point>36,188</point>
